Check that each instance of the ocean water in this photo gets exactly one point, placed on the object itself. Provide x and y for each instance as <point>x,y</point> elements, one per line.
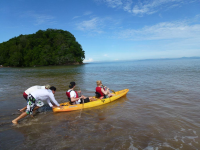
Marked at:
<point>160,111</point>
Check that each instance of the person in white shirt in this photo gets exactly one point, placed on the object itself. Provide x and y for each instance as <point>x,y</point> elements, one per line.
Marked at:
<point>34,101</point>
<point>30,90</point>
<point>74,97</point>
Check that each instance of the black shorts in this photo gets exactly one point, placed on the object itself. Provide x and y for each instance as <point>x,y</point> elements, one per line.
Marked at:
<point>85,100</point>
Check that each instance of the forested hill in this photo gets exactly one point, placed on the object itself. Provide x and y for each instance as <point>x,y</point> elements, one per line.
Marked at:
<point>49,47</point>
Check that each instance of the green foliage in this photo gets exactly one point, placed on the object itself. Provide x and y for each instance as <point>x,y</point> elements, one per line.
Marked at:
<point>49,47</point>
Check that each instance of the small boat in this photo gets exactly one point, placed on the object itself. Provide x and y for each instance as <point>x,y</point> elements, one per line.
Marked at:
<point>68,107</point>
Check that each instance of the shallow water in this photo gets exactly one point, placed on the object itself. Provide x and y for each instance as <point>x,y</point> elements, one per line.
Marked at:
<point>160,111</point>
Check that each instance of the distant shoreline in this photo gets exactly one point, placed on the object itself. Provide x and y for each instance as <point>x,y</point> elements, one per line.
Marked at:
<point>68,64</point>
<point>197,57</point>
<point>1,66</point>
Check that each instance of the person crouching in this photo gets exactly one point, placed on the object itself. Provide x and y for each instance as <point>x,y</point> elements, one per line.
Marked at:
<point>34,101</point>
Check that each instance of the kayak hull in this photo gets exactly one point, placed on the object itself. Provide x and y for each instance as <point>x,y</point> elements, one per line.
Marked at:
<point>68,107</point>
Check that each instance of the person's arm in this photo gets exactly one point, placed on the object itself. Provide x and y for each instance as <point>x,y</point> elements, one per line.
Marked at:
<point>73,95</point>
<point>53,105</point>
<point>75,99</point>
<point>103,91</point>
<point>49,102</point>
<point>53,99</point>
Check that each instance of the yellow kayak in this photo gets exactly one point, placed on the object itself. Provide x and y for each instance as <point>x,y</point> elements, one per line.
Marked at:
<point>68,107</point>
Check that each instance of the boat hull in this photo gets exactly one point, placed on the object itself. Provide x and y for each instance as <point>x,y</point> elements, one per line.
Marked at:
<point>98,102</point>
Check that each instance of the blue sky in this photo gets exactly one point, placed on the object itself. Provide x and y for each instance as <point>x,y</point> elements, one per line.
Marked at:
<point>111,30</point>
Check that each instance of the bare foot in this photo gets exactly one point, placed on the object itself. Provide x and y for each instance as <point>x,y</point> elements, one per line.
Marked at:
<point>21,110</point>
<point>14,122</point>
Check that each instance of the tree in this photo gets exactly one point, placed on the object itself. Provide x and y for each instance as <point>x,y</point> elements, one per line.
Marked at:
<point>45,47</point>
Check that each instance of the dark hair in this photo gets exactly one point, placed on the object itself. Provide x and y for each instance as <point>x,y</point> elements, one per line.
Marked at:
<point>52,88</point>
<point>72,84</point>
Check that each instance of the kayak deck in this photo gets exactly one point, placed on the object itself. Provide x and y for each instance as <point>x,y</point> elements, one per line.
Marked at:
<point>68,107</point>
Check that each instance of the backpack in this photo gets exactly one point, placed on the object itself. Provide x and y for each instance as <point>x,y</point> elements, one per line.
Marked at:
<point>97,95</point>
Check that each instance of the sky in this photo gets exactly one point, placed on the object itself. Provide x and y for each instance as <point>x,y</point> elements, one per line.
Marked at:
<point>111,30</point>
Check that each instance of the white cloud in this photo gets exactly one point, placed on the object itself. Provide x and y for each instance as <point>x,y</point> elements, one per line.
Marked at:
<point>105,55</point>
<point>151,7</point>
<point>39,18</point>
<point>88,60</point>
<point>165,30</point>
<point>113,3</point>
<point>127,6</point>
<point>75,17</point>
<point>97,25</point>
<point>87,13</point>
<point>92,25</point>
<point>43,19</point>
<point>144,7</point>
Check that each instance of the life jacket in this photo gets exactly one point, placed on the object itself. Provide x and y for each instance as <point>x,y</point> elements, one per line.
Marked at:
<point>68,95</point>
<point>98,89</point>
<point>98,93</point>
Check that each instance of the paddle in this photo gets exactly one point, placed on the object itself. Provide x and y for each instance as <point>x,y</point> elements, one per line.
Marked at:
<point>80,90</point>
<point>83,103</point>
<point>110,89</point>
